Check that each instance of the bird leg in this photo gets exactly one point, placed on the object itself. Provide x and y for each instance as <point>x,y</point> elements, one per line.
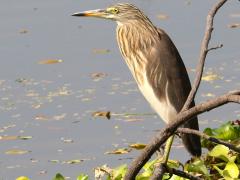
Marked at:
<point>167,149</point>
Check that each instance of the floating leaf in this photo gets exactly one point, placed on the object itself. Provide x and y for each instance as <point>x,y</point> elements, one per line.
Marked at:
<point>59,117</point>
<point>36,106</point>
<point>41,117</point>
<point>208,95</point>
<point>101,51</point>
<point>67,140</point>
<point>210,76</point>
<point>162,16</point>
<point>7,138</point>
<point>137,146</point>
<point>50,61</point>
<point>42,172</point>
<point>22,178</point>
<point>54,161</point>
<point>58,177</point>
<point>119,151</point>
<point>24,137</point>
<point>16,152</point>
<point>82,177</point>
<point>23,31</point>
<point>106,114</point>
<point>74,161</point>
<point>133,120</point>
<point>98,76</point>
<point>236,25</point>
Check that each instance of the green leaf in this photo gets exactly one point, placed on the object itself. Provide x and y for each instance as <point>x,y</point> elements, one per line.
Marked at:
<point>222,152</point>
<point>25,137</point>
<point>149,166</point>
<point>197,166</point>
<point>206,143</point>
<point>231,169</point>
<point>58,177</point>
<point>208,131</point>
<point>227,132</point>
<point>22,178</point>
<point>137,146</point>
<point>173,163</point>
<point>230,172</point>
<point>82,177</point>
<point>119,172</point>
<point>16,152</point>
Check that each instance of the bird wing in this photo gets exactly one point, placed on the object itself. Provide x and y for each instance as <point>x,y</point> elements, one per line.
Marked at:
<point>174,84</point>
<point>175,80</point>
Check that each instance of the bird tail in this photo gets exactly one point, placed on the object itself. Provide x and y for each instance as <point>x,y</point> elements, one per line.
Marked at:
<point>191,141</point>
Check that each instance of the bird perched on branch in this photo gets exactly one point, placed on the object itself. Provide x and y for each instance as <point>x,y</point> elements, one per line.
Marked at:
<point>155,64</point>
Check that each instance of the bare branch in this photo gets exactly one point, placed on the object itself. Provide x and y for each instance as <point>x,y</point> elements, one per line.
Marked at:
<point>186,113</point>
<point>162,168</point>
<point>182,174</point>
<point>203,53</point>
<point>216,47</point>
<point>209,138</point>
<point>182,117</point>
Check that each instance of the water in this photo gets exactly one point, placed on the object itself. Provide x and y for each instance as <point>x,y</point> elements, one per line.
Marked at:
<point>53,103</point>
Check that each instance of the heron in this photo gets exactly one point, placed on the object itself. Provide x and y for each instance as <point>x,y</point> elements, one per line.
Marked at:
<point>155,64</point>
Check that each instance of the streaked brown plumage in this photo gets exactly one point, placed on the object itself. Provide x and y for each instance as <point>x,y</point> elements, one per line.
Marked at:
<point>155,64</point>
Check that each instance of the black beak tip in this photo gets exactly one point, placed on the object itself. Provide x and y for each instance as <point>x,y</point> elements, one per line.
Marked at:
<point>78,14</point>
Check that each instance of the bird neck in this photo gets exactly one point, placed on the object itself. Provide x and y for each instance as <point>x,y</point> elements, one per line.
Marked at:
<point>137,33</point>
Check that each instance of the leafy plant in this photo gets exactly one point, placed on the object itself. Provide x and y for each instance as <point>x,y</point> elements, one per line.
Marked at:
<point>218,163</point>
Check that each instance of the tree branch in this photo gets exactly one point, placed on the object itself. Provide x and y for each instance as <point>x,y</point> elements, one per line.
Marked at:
<point>182,174</point>
<point>180,119</point>
<point>162,168</point>
<point>159,171</point>
<point>203,53</point>
<point>209,138</point>
<point>186,113</point>
<point>215,47</point>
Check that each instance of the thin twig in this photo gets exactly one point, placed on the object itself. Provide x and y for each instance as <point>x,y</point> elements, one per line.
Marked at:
<point>182,174</point>
<point>203,53</point>
<point>162,168</point>
<point>216,47</point>
<point>209,138</point>
<point>169,130</point>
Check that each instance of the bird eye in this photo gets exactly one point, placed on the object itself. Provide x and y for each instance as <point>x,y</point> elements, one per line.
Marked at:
<point>113,10</point>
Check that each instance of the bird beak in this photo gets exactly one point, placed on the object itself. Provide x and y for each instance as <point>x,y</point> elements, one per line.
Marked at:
<point>92,13</point>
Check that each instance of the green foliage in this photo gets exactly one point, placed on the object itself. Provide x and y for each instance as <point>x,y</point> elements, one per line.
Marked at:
<point>218,163</point>
<point>58,177</point>
<point>82,177</point>
<point>229,131</point>
<point>22,178</point>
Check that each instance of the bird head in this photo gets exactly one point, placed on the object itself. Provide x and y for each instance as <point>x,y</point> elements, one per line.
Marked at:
<point>120,12</point>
